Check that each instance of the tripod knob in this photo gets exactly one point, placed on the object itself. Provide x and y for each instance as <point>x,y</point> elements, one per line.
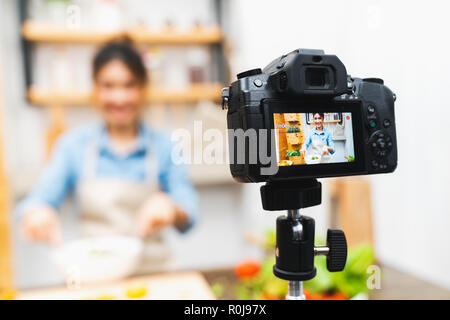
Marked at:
<point>337,254</point>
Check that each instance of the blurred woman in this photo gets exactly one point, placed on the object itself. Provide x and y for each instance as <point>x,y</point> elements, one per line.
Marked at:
<point>320,141</point>
<point>120,170</point>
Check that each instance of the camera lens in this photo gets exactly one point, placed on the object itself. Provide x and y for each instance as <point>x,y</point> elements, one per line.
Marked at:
<point>317,77</point>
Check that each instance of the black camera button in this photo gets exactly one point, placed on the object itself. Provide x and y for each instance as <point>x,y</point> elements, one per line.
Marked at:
<point>387,123</point>
<point>370,109</point>
<point>374,164</point>
<point>372,123</point>
<point>281,64</point>
<point>248,73</point>
<point>374,80</point>
<point>381,143</point>
<point>258,82</point>
<point>383,166</point>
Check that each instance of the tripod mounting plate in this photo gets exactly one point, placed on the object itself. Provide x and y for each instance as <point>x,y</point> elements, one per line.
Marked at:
<point>291,194</point>
<point>294,276</point>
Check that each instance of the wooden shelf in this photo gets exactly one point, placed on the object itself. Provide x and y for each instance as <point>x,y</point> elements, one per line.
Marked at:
<point>40,32</point>
<point>327,121</point>
<point>195,93</point>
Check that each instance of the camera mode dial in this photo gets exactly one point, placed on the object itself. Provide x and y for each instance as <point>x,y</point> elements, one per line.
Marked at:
<point>249,73</point>
<point>380,144</point>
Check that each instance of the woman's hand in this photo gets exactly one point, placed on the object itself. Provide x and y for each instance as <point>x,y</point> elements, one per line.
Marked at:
<point>158,212</point>
<point>324,152</point>
<point>42,225</point>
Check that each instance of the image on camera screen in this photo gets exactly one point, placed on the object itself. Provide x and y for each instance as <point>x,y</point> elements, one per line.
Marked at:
<point>313,138</point>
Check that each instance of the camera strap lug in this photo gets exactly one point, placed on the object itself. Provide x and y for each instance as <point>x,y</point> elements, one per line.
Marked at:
<point>225,97</point>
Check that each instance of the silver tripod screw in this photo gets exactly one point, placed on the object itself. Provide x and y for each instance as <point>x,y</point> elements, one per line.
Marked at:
<point>295,288</point>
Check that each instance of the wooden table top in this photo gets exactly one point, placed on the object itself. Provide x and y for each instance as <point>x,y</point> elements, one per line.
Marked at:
<point>395,284</point>
<point>167,286</point>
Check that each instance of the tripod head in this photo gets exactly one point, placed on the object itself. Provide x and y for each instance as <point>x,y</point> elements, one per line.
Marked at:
<point>295,250</point>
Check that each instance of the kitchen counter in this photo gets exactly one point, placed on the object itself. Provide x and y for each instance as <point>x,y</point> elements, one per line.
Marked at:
<point>197,285</point>
<point>395,284</point>
<point>176,285</point>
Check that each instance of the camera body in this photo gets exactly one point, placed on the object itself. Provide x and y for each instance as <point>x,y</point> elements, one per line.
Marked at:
<point>320,122</point>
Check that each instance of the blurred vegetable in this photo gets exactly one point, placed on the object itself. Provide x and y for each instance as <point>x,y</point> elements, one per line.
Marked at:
<point>351,281</point>
<point>293,129</point>
<point>103,297</point>
<point>323,281</point>
<point>264,285</point>
<point>218,289</point>
<point>8,294</point>
<point>247,269</point>
<point>350,158</point>
<point>260,283</point>
<point>324,296</point>
<point>271,239</point>
<point>136,291</point>
<point>292,153</point>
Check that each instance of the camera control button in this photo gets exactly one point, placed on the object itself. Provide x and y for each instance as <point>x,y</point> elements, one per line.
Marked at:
<point>372,123</point>
<point>370,109</point>
<point>248,73</point>
<point>258,83</point>
<point>374,163</point>
<point>281,64</point>
<point>387,123</point>
<point>381,143</point>
<point>374,80</point>
<point>383,166</point>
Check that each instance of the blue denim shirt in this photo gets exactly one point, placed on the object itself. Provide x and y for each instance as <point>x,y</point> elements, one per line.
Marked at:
<point>64,170</point>
<point>324,135</point>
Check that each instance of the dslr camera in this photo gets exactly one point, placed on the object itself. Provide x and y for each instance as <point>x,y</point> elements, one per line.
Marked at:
<point>301,118</point>
<point>304,117</point>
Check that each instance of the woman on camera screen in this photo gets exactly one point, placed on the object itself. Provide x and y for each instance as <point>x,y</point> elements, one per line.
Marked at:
<point>319,143</point>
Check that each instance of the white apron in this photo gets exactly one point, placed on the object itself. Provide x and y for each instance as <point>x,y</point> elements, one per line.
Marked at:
<point>317,147</point>
<point>109,206</point>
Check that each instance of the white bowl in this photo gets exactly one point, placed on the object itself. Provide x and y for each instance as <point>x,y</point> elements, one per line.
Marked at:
<point>309,160</point>
<point>288,163</point>
<point>99,259</point>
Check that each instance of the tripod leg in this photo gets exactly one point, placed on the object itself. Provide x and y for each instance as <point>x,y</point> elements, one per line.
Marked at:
<point>295,291</point>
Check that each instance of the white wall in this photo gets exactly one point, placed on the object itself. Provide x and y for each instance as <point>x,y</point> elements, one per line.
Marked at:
<point>406,44</point>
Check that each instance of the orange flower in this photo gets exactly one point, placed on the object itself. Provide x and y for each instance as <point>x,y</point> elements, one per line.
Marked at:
<point>247,269</point>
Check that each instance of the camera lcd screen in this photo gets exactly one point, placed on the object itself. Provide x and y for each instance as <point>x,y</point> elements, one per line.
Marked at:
<point>313,138</point>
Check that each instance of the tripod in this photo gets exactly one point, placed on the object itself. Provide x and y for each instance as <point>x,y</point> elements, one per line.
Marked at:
<point>295,250</point>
